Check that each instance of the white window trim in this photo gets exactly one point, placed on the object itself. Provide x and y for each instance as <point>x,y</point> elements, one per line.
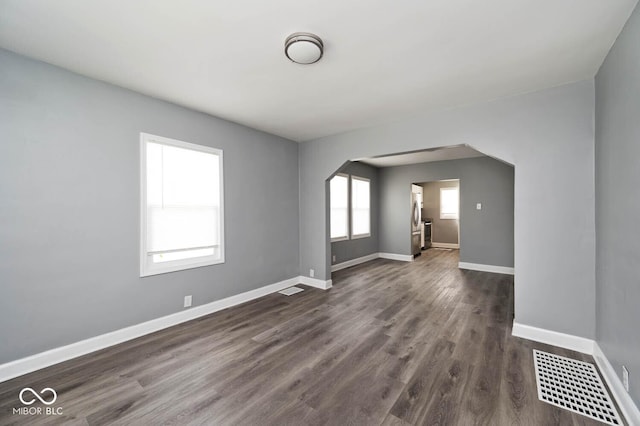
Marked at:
<point>336,239</point>
<point>357,237</point>
<point>148,268</point>
<point>345,237</point>
<point>449,216</point>
<point>368,234</point>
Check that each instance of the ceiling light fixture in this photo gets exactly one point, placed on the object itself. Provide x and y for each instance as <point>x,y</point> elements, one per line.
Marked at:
<point>303,48</point>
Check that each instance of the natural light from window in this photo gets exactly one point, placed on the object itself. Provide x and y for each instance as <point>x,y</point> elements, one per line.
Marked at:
<point>449,201</point>
<point>360,207</point>
<point>182,206</point>
<point>339,189</point>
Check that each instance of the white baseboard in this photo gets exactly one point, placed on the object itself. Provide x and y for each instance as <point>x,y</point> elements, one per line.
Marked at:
<point>55,356</point>
<point>486,268</point>
<point>445,245</point>
<point>567,341</point>
<point>629,409</point>
<point>314,282</point>
<point>354,262</point>
<point>372,256</point>
<point>393,256</point>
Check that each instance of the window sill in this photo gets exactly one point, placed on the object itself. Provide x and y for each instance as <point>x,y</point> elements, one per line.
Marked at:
<point>357,237</point>
<point>337,239</point>
<point>156,269</point>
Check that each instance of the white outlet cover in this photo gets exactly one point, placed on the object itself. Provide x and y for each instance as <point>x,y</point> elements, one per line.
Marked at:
<point>188,300</point>
<point>479,206</point>
<point>312,273</point>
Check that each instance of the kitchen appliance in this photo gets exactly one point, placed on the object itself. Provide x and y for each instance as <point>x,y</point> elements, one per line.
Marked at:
<point>426,243</point>
<point>416,223</point>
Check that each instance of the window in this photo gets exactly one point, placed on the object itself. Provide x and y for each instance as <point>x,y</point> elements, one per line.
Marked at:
<point>360,207</point>
<point>181,214</point>
<point>339,189</point>
<point>449,203</point>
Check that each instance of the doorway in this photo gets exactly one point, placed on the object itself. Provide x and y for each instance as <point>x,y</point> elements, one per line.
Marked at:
<point>438,208</point>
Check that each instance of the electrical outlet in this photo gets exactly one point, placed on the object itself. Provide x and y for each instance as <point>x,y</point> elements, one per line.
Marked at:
<point>625,378</point>
<point>312,273</point>
<point>187,301</point>
<point>479,206</point>
<point>333,258</point>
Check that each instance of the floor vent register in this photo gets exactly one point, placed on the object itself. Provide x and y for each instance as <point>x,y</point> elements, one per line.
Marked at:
<point>575,386</point>
<point>291,291</point>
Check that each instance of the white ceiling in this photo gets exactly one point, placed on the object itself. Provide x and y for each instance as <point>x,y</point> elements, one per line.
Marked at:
<point>383,59</point>
<point>427,156</point>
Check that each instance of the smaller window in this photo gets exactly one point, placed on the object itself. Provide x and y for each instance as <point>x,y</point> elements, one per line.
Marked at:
<point>449,203</point>
<point>339,205</point>
<point>360,207</point>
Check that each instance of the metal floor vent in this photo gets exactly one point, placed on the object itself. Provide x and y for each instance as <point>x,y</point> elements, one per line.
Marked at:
<point>575,386</point>
<point>291,290</point>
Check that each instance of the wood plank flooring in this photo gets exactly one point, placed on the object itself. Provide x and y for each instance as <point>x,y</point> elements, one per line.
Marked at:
<point>392,343</point>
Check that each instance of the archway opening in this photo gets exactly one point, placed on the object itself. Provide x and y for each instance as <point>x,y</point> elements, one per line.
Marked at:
<point>383,224</point>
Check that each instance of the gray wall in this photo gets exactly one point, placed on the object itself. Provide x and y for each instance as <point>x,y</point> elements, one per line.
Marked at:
<point>486,236</point>
<point>548,136</point>
<point>353,249</point>
<point>446,230</point>
<point>69,184</point>
<point>618,204</point>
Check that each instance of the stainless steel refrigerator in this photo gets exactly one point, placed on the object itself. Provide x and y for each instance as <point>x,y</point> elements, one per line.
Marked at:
<point>416,222</point>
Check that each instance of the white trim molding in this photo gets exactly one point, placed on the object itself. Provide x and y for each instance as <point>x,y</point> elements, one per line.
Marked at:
<point>625,402</point>
<point>64,353</point>
<point>315,282</point>
<point>554,338</point>
<point>445,245</point>
<point>487,268</point>
<point>367,258</point>
<point>354,262</point>
<point>393,256</point>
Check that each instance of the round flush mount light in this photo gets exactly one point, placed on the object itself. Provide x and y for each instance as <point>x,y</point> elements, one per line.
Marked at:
<point>303,48</point>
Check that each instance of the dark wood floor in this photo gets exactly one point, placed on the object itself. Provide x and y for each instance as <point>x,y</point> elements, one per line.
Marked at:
<point>391,343</point>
